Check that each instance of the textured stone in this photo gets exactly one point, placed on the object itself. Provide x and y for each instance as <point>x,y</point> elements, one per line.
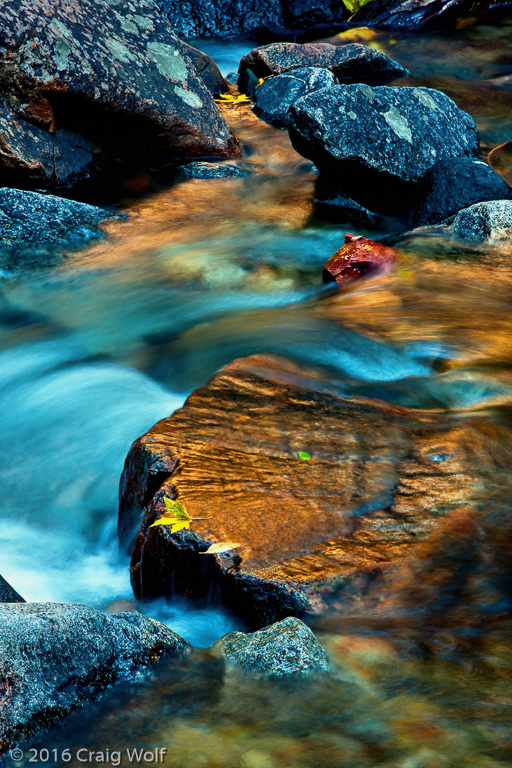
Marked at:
<point>485,221</point>
<point>54,657</point>
<point>288,647</point>
<point>380,479</point>
<point>35,218</point>
<point>274,97</point>
<point>421,14</point>
<point>113,73</point>
<point>357,258</point>
<point>380,135</point>
<point>457,183</point>
<point>204,170</point>
<point>353,62</point>
<point>8,594</point>
<point>206,69</point>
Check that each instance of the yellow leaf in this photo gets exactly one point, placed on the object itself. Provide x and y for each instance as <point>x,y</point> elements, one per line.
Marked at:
<point>217,549</point>
<point>174,522</point>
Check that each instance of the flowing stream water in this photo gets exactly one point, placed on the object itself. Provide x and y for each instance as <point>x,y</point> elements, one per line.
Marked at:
<point>99,345</point>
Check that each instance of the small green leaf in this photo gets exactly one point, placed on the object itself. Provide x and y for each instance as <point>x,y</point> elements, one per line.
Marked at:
<point>177,508</point>
<point>304,456</point>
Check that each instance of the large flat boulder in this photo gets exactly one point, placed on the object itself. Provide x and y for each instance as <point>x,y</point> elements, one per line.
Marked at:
<point>353,63</point>
<point>380,479</point>
<point>54,657</point>
<point>84,87</point>
<point>382,134</point>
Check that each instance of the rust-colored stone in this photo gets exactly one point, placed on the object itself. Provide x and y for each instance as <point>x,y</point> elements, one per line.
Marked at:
<point>357,257</point>
<point>380,479</point>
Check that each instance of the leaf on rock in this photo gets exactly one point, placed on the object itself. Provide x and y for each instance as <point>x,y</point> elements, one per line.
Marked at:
<point>177,508</point>
<point>304,456</point>
<point>217,549</point>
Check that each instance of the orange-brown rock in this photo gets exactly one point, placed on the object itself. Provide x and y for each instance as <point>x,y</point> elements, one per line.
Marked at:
<point>356,258</point>
<point>312,533</point>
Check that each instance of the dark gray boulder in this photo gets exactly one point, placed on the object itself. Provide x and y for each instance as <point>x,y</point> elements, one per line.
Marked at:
<point>350,63</point>
<point>489,221</point>
<point>288,647</point>
<point>274,97</point>
<point>33,218</point>
<point>8,594</point>
<point>377,136</point>
<point>56,657</point>
<point>223,18</point>
<point>94,86</point>
<point>206,69</point>
<point>248,82</point>
<point>457,183</point>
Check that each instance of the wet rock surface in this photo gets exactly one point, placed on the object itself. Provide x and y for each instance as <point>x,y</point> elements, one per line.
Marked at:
<point>8,594</point>
<point>274,97</point>
<point>351,63</point>
<point>206,69</point>
<point>457,183</point>
<point>422,14</point>
<point>341,208</point>
<point>55,657</point>
<point>310,532</point>
<point>357,258</point>
<point>84,87</point>
<point>205,170</point>
<point>288,647</point>
<point>381,138</point>
<point>491,221</point>
<point>32,218</point>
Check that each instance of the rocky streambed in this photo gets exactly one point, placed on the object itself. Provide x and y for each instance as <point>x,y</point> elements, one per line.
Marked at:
<point>304,287</point>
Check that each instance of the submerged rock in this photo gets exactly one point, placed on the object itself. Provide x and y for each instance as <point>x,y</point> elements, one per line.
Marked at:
<point>8,594</point>
<point>274,97</point>
<point>55,657</point>
<point>380,138</point>
<point>354,62</point>
<point>205,170</point>
<point>457,183</point>
<point>288,647</point>
<point>310,532</point>
<point>32,218</point>
<point>485,221</point>
<point>341,208</point>
<point>114,75</point>
<point>357,258</point>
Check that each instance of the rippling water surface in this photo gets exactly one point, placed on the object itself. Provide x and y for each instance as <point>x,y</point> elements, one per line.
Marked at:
<point>99,345</point>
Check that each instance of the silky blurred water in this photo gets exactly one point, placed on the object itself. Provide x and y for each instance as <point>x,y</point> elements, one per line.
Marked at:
<point>98,345</point>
